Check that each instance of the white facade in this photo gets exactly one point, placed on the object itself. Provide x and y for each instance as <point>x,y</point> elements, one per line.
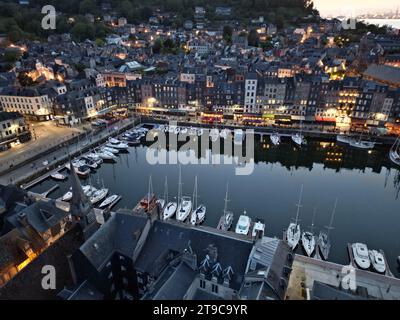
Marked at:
<point>35,106</point>
<point>250,96</point>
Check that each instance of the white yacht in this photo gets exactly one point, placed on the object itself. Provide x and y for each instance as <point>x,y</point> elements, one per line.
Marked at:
<point>169,210</point>
<point>293,232</point>
<point>184,209</point>
<point>324,243</point>
<point>394,152</point>
<point>105,155</point>
<point>95,157</point>
<point>361,256</point>
<point>110,150</point>
<point>344,139</point>
<point>98,195</point>
<point>360,144</point>
<point>214,135</point>
<point>378,261</point>
<point>224,133</point>
<point>238,136</point>
<point>243,224</point>
<point>58,176</point>
<point>298,139</point>
<point>308,239</point>
<point>275,139</point>
<point>108,201</point>
<point>117,145</point>
<point>68,196</point>
<point>308,242</point>
<point>199,211</point>
<point>258,229</point>
<point>184,203</point>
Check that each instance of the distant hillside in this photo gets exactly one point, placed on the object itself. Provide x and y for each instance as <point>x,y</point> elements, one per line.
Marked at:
<point>24,21</point>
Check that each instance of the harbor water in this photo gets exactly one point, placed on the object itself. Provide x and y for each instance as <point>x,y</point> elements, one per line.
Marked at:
<point>366,184</point>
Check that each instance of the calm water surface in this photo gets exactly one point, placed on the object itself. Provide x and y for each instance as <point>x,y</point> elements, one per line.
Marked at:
<point>366,184</point>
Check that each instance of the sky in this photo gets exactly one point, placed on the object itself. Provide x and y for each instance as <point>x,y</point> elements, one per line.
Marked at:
<point>349,7</point>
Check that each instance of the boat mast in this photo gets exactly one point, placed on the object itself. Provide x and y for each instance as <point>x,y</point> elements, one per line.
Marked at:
<point>179,186</point>
<point>299,205</point>
<point>148,194</point>
<point>166,190</point>
<point>313,218</point>
<point>332,217</point>
<point>226,198</point>
<point>195,193</point>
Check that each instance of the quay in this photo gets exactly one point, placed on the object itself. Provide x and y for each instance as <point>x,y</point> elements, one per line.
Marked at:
<point>308,270</point>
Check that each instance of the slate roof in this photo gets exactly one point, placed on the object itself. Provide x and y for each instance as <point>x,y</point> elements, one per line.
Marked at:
<point>119,234</point>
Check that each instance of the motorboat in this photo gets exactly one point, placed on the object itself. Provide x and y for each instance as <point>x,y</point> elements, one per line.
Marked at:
<point>119,145</point>
<point>113,140</point>
<point>243,224</point>
<point>238,136</point>
<point>378,261</point>
<point>169,210</point>
<point>258,229</point>
<point>58,176</point>
<point>105,155</point>
<point>184,209</point>
<point>110,149</point>
<point>94,157</point>
<point>344,139</point>
<point>98,195</point>
<point>214,135</point>
<point>81,169</point>
<point>275,139</point>
<point>88,162</point>
<point>68,195</point>
<point>308,242</point>
<point>360,144</point>
<point>361,255</point>
<point>108,201</point>
<point>298,139</point>
<point>293,232</point>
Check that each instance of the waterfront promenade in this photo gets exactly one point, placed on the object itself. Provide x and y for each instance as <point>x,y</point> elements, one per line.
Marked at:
<point>51,160</point>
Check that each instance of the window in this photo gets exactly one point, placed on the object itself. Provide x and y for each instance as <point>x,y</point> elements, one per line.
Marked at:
<point>214,288</point>
<point>202,284</point>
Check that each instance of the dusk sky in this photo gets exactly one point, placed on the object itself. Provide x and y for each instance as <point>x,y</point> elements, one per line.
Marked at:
<point>343,7</point>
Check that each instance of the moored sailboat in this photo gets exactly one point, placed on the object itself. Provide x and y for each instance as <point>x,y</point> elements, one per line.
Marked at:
<point>293,232</point>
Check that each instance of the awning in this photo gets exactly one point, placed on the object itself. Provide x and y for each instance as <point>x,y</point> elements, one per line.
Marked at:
<point>323,119</point>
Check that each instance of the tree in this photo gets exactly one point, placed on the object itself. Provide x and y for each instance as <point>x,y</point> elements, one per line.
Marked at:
<point>227,33</point>
<point>253,38</point>
<point>146,13</point>
<point>157,46</point>
<point>82,31</point>
<point>87,6</point>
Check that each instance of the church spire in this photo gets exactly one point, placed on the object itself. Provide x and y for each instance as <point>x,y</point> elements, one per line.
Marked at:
<point>80,205</point>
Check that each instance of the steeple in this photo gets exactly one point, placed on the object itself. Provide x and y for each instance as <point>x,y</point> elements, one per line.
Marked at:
<point>80,205</point>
